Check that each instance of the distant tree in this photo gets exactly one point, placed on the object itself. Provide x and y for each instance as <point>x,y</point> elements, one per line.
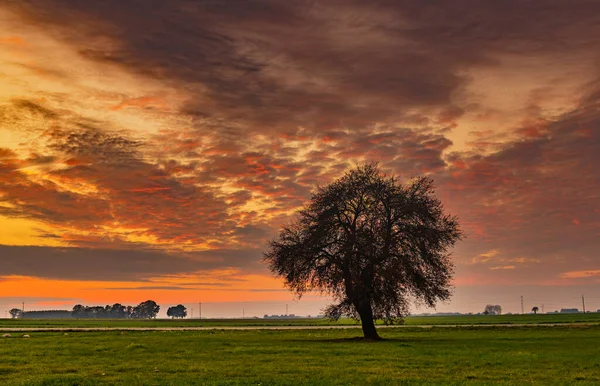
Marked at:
<point>78,311</point>
<point>146,310</point>
<point>117,310</point>
<point>47,314</point>
<point>16,313</point>
<point>535,310</point>
<point>371,243</point>
<point>178,311</point>
<point>492,309</point>
<point>95,312</point>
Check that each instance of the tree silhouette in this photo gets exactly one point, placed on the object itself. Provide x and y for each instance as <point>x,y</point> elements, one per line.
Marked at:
<point>535,310</point>
<point>146,310</point>
<point>493,309</point>
<point>178,311</point>
<point>117,310</point>
<point>372,243</point>
<point>78,311</point>
<point>15,313</point>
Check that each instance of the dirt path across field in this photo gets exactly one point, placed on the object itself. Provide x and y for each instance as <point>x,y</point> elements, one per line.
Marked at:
<point>245,328</point>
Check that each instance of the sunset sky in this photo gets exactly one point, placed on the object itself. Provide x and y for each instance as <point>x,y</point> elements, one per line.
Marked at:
<point>150,148</point>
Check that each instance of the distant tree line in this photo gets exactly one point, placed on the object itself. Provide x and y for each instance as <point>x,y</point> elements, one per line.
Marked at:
<point>145,310</point>
<point>282,316</point>
<point>46,314</point>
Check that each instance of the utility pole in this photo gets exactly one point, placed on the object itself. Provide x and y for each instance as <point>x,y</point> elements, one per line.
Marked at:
<point>522,309</point>
<point>23,308</point>
<point>243,313</point>
<point>286,310</point>
<point>583,302</point>
<point>200,310</point>
<point>192,313</point>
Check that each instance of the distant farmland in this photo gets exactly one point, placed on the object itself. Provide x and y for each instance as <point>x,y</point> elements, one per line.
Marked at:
<point>413,320</point>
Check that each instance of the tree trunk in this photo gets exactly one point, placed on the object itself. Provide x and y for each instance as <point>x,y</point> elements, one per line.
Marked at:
<point>366,319</point>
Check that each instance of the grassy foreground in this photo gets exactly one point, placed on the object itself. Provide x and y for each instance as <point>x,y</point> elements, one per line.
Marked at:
<point>467,355</point>
<point>411,320</point>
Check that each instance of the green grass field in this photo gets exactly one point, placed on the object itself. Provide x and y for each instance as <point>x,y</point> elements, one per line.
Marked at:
<point>413,320</point>
<point>546,355</point>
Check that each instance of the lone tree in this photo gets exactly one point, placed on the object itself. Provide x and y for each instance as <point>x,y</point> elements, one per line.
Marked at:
<point>16,313</point>
<point>535,310</point>
<point>178,311</point>
<point>492,309</point>
<point>370,242</point>
<point>146,310</point>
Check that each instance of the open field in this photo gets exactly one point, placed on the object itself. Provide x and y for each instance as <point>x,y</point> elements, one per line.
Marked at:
<point>410,321</point>
<point>463,355</point>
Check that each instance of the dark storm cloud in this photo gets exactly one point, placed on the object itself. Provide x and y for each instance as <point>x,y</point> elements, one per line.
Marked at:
<point>277,64</point>
<point>115,264</point>
<point>248,259</point>
<point>317,64</point>
<point>90,264</point>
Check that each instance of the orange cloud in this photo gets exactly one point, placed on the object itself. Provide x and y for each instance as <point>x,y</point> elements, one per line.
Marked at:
<point>485,257</point>
<point>580,274</point>
<point>142,102</point>
<point>13,40</point>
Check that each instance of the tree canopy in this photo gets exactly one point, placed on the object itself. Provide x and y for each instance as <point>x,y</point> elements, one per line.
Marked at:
<point>15,313</point>
<point>146,310</point>
<point>178,311</point>
<point>372,243</point>
<point>493,309</point>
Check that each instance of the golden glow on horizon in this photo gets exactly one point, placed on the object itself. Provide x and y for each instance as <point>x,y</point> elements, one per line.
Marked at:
<point>245,288</point>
